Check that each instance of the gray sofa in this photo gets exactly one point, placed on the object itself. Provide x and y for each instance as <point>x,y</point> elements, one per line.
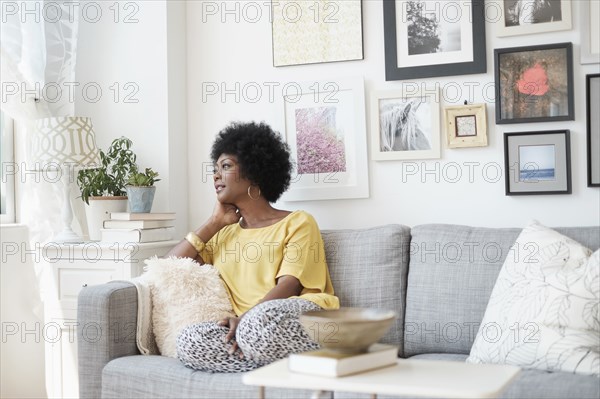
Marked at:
<point>437,277</point>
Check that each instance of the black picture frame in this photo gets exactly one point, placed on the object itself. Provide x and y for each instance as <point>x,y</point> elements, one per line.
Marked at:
<point>534,83</point>
<point>537,163</point>
<point>592,85</point>
<point>477,65</point>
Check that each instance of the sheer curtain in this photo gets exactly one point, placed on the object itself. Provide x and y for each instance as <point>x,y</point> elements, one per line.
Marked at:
<point>38,42</point>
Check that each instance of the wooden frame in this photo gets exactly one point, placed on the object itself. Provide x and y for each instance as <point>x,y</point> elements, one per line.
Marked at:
<point>537,162</point>
<point>324,125</point>
<point>590,32</point>
<point>519,18</point>
<point>534,83</point>
<point>466,126</point>
<point>592,86</point>
<point>311,32</point>
<point>406,60</point>
<point>405,125</point>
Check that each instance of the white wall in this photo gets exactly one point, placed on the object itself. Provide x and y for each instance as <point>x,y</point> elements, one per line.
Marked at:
<point>22,317</point>
<point>225,52</point>
<point>136,56</point>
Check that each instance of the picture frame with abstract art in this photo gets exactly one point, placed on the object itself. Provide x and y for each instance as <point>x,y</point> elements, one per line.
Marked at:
<point>534,83</point>
<point>593,129</point>
<point>523,17</point>
<point>466,125</point>
<point>405,125</point>
<point>324,125</point>
<point>537,162</point>
<point>428,38</point>
<point>590,32</point>
<point>310,32</point>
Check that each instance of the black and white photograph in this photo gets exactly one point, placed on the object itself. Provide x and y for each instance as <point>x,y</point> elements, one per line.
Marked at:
<point>537,162</point>
<point>405,127</point>
<point>521,17</point>
<point>525,12</point>
<point>429,38</point>
<point>430,30</point>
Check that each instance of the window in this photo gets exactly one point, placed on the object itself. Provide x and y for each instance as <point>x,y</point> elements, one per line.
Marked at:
<point>7,184</point>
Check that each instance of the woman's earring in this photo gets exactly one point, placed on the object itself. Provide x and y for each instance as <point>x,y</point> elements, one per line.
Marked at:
<point>250,195</point>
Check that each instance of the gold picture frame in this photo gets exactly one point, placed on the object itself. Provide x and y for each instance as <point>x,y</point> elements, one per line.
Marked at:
<point>466,125</point>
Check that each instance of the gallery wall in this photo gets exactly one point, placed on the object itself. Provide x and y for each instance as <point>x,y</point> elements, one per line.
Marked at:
<point>231,78</point>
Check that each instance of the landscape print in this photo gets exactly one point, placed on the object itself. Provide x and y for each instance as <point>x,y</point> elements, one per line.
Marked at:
<point>537,163</point>
<point>429,31</point>
<point>320,144</point>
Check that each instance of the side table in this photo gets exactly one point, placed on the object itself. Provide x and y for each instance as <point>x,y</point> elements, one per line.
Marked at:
<point>71,268</point>
<point>410,377</point>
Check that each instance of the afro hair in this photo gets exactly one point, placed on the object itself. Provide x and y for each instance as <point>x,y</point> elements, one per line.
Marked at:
<point>263,156</point>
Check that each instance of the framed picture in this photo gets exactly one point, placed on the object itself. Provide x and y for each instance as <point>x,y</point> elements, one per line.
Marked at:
<point>534,83</point>
<point>537,162</point>
<point>310,32</point>
<point>466,126</point>
<point>405,126</point>
<point>590,32</point>
<point>522,17</point>
<point>433,38</point>
<point>593,129</point>
<point>324,125</point>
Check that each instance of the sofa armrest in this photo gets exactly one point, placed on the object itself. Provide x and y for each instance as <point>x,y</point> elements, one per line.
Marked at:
<point>106,330</point>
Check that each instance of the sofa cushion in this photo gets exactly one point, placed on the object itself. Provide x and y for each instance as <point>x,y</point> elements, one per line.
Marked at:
<point>452,272</point>
<point>543,311</point>
<point>165,377</point>
<point>368,269</point>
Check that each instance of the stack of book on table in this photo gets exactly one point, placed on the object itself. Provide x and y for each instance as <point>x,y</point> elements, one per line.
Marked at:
<point>126,227</point>
<point>327,363</point>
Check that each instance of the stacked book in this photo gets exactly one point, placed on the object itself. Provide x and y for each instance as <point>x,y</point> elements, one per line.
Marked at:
<point>127,227</point>
<point>327,363</point>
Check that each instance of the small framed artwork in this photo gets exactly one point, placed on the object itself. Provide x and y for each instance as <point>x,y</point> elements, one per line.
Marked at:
<point>537,162</point>
<point>522,17</point>
<point>534,83</point>
<point>593,129</point>
<point>433,38</point>
<point>310,32</point>
<point>466,125</point>
<point>590,32</point>
<point>324,124</point>
<point>405,126</point>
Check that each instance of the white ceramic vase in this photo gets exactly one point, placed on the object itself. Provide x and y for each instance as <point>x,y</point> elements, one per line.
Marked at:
<point>99,210</point>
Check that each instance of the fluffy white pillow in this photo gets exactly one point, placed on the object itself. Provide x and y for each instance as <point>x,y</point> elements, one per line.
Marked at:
<point>544,309</point>
<point>183,293</point>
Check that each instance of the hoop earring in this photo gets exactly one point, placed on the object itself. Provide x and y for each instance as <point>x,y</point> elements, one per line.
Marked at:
<point>250,195</point>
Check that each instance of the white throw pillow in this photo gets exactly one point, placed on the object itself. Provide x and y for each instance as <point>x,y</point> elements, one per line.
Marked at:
<point>544,309</point>
<point>183,293</point>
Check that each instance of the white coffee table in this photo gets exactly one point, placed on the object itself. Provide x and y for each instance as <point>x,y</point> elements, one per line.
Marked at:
<point>412,377</point>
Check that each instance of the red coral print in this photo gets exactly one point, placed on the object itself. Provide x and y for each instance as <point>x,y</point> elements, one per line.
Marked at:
<point>534,81</point>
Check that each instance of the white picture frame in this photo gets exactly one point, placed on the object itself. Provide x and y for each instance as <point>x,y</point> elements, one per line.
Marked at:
<point>507,10</point>
<point>419,135</point>
<point>590,32</point>
<point>466,125</point>
<point>326,118</point>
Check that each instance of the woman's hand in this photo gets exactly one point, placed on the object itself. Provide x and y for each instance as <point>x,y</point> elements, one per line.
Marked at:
<point>232,323</point>
<point>225,214</point>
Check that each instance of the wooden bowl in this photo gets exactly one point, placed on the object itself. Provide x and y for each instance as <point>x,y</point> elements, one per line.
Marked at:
<point>347,330</point>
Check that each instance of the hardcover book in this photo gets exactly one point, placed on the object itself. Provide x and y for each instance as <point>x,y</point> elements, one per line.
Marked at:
<point>142,216</point>
<point>333,364</point>
<point>137,235</point>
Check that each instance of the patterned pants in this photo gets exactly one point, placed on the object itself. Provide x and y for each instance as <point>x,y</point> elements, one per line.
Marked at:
<point>268,332</point>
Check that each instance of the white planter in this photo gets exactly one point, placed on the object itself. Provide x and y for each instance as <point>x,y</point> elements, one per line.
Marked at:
<point>99,210</point>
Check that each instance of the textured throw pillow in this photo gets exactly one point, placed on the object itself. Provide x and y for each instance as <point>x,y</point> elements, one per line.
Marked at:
<point>183,293</point>
<point>544,309</point>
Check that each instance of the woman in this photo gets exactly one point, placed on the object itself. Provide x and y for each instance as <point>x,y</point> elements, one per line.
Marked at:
<point>271,261</point>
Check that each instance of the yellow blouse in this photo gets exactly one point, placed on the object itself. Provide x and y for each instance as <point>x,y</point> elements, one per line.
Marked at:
<point>251,260</point>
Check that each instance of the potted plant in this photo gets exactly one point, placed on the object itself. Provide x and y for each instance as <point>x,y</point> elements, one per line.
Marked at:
<point>103,188</point>
<point>140,190</point>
